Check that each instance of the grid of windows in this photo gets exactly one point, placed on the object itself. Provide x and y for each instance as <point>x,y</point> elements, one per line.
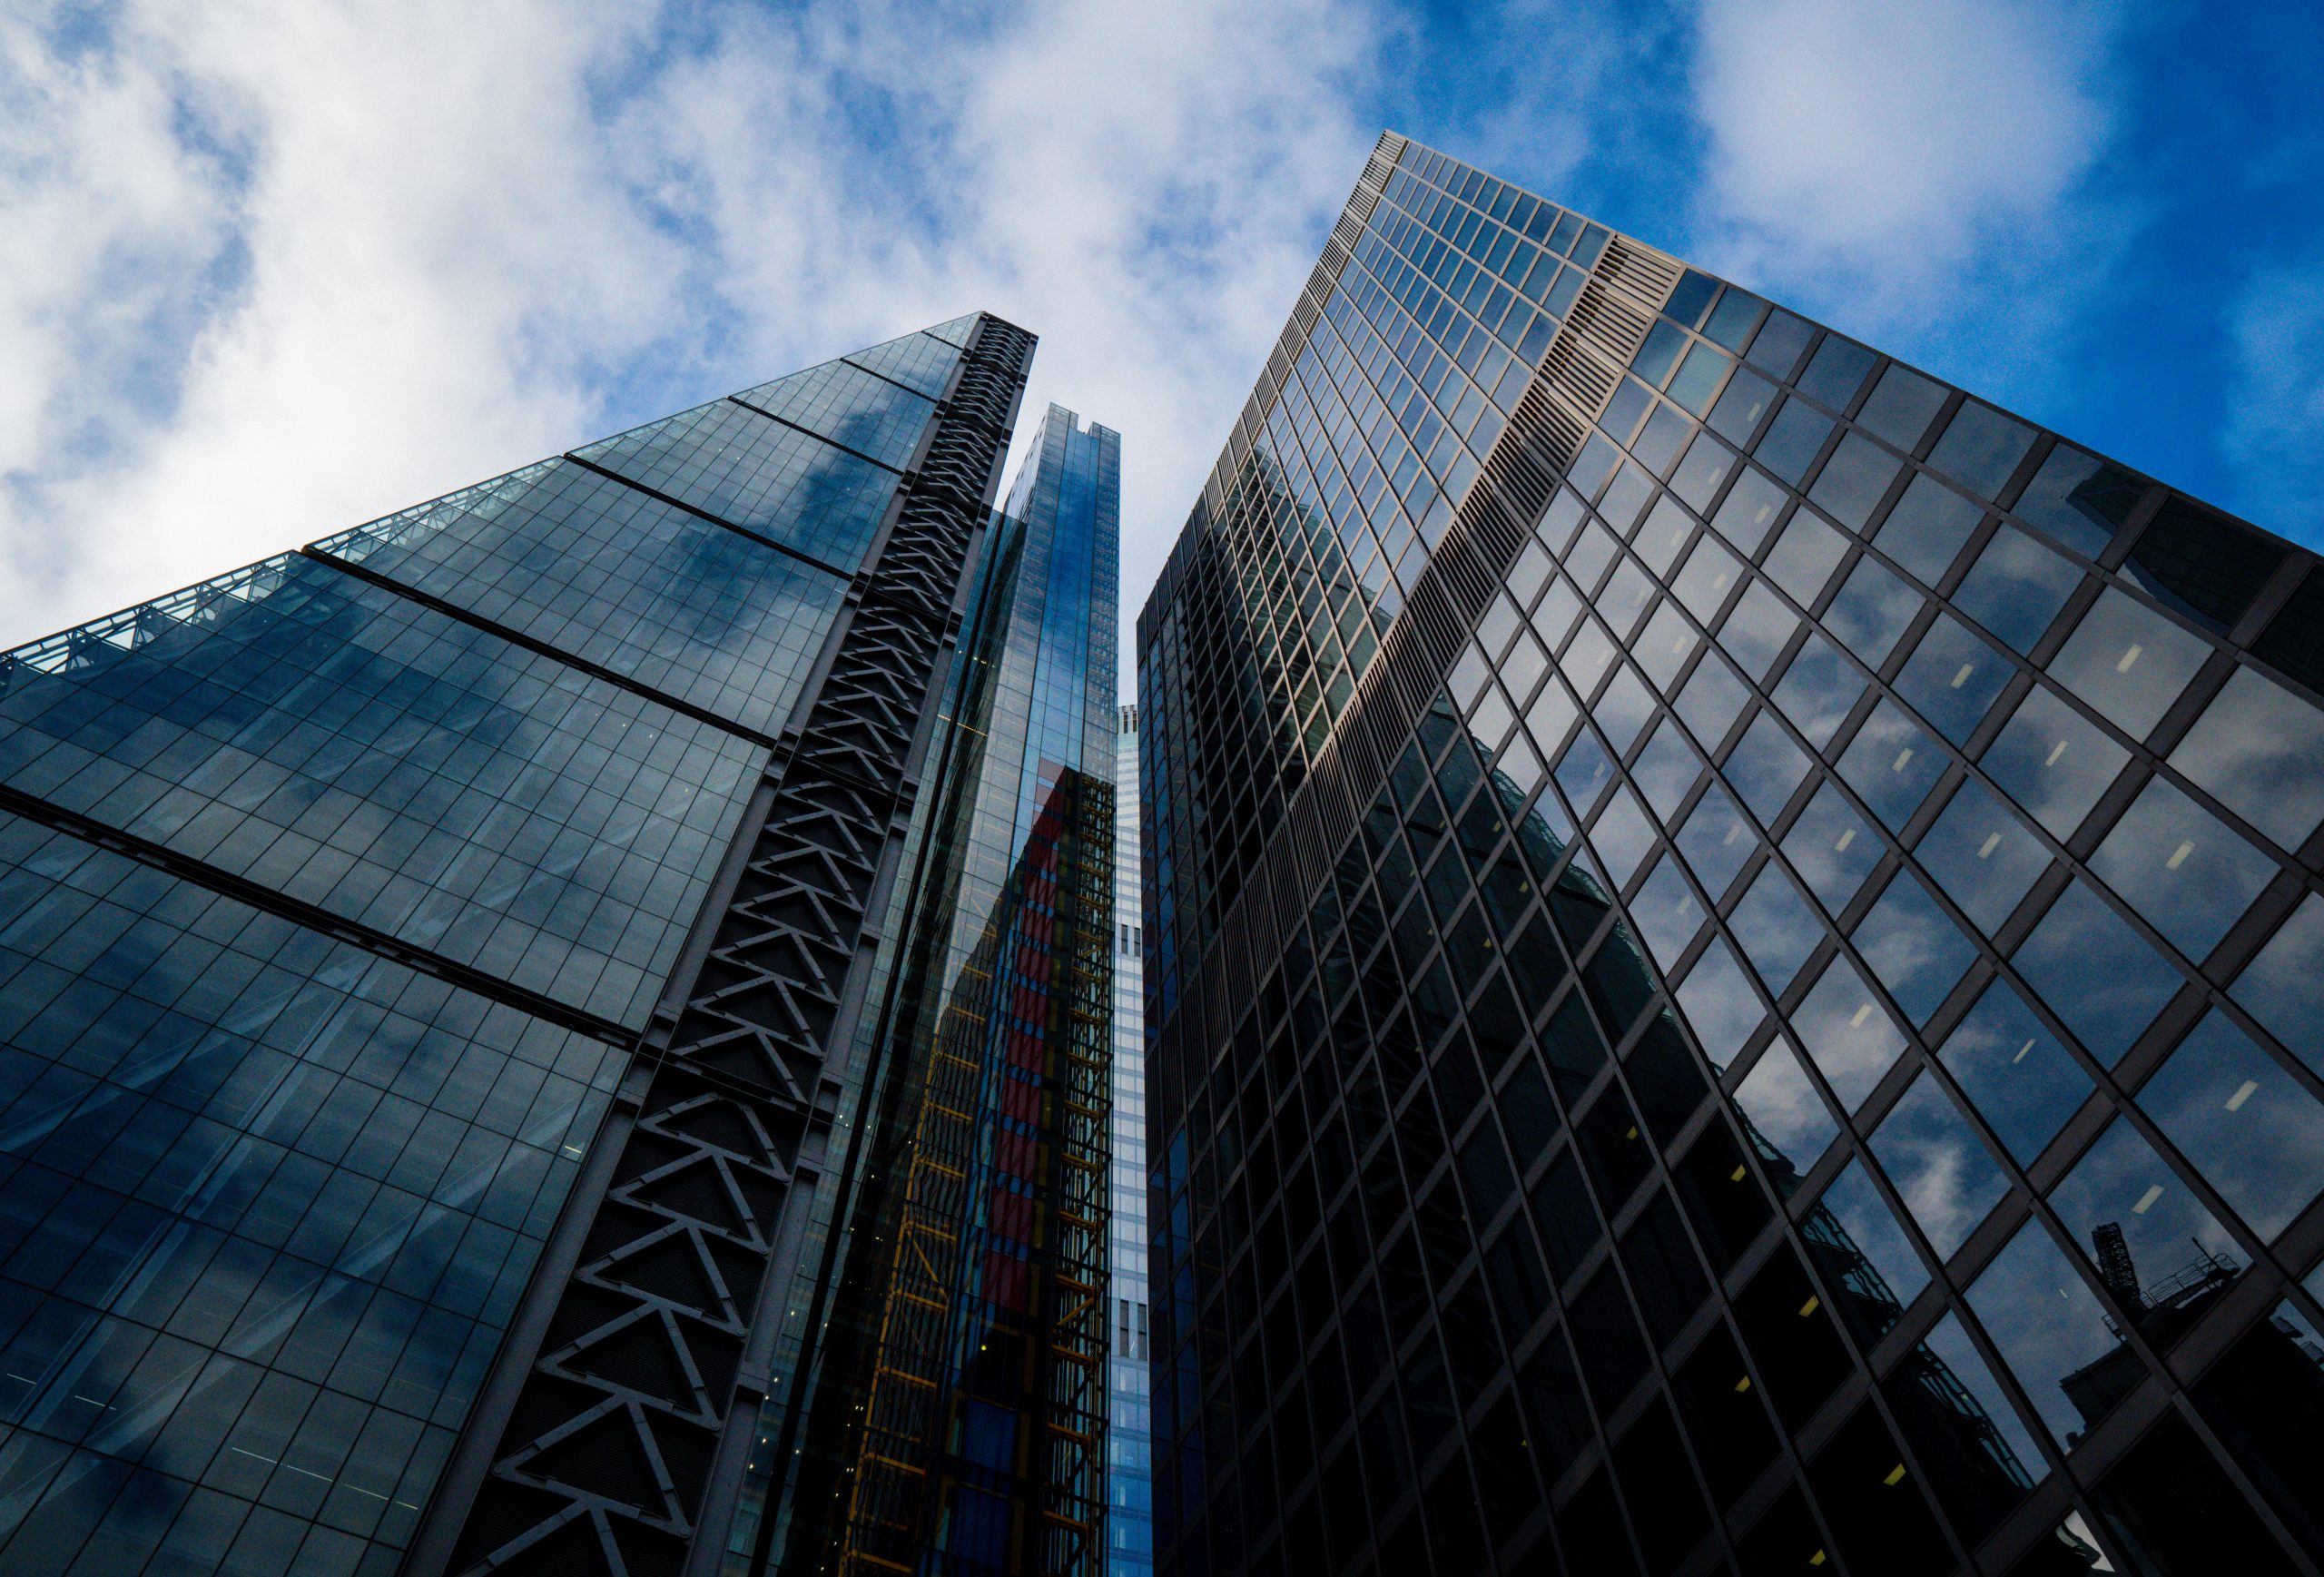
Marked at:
<point>1808,1056</point>
<point>269,1202</point>
<point>616,578</point>
<point>753,473</point>
<point>1130,1467</point>
<point>334,895</point>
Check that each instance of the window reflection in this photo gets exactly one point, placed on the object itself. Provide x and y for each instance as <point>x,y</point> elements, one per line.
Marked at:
<point>2255,1133</point>
<point>1786,1120</point>
<point>1981,856</point>
<point>2259,749</point>
<point>2106,1011</point>
<point>2128,662</point>
<point>1717,840</point>
<point>2053,1335</point>
<point>2079,500</point>
<point>2152,1245</point>
<point>1854,1240</point>
<point>2053,761</point>
<point>2283,985</point>
<point>1892,765</point>
<point>1776,928</point>
<point>1765,767</point>
<point>2021,1078</point>
<point>1953,678</point>
<point>1914,948</point>
<point>1981,448</point>
<point>1832,848</point>
<point>1719,1003</point>
<point>2180,866</point>
<point>1847,1032</point>
<point>1945,1175</point>
<point>1926,529</point>
<point>2017,587</point>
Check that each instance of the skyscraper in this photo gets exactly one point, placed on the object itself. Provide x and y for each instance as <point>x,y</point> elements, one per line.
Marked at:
<point>461,1102</point>
<point>1733,951</point>
<point>1130,1470</point>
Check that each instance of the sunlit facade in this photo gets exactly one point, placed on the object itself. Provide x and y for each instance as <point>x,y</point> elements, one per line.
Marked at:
<point>1130,1540</point>
<point>1733,954</point>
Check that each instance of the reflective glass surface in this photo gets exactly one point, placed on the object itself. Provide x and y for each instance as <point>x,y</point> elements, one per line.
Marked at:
<point>270,1201</point>
<point>344,746</point>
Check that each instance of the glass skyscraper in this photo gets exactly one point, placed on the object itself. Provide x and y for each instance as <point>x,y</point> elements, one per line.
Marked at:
<point>1128,1447</point>
<point>467,1095</point>
<point>1735,972</point>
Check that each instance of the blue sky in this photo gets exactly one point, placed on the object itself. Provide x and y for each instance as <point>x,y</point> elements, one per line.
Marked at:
<point>268,270</point>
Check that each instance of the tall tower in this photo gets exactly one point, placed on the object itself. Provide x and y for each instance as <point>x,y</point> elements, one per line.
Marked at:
<point>1692,866</point>
<point>1129,1443</point>
<point>439,973</point>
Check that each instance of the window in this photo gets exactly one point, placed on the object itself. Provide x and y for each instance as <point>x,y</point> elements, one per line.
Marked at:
<point>2079,500</point>
<point>1776,928</point>
<point>2017,587</point>
<point>2253,1131</point>
<point>1787,1117</point>
<point>1854,480</point>
<point>1832,848</point>
<point>1793,440</point>
<point>2051,1334</point>
<point>2283,986</point>
<point>2106,1013</point>
<point>1926,529</point>
<point>2257,747</point>
<point>2128,662</point>
<point>1846,1032</point>
<point>2180,867</point>
<point>1863,1254</point>
<point>2021,1078</point>
<point>2053,763</point>
<point>1981,448</point>
<point>1892,765</point>
<point>1872,611</point>
<point>1901,407</point>
<point>1836,372</point>
<point>1981,856</point>
<point>1915,949</point>
<point>1941,1168</point>
<point>1953,678</point>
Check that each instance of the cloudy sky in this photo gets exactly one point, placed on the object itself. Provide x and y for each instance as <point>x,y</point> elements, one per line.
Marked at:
<point>268,270</point>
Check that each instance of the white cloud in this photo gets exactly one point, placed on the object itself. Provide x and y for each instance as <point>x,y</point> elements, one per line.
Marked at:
<point>1873,151</point>
<point>296,265</point>
<point>2275,429</point>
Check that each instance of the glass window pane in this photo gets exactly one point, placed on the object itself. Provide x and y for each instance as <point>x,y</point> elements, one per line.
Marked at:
<point>1981,856</point>
<point>1953,678</point>
<point>1697,377</point>
<point>2283,986</point>
<point>1758,629</point>
<point>2052,1334</point>
<point>1981,448</point>
<point>1804,559</point>
<point>1872,610</point>
<point>1832,848</point>
<point>1916,952</point>
<point>1719,1004</point>
<point>1787,1121</point>
<point>2135,1220</point>
<point>1732,318</point>
<point>1774,928</point>
<point>1779,341</point>
<point>1945,1175</point>
<point>1836,372</point>
<point>1737,415</point>
<point>2196,562</point>
<point>1892,765</point>
<point>1665,770</point>
<point>2260,750</point>
<point>1901,407</point>
<point>1748,512</point>
<point>2257,1136</point>
<point>1666,531</point>
<point>1667,913</point>
<point>2079,500</point>
<point>1711,701</point>
<point>1710,572</point>
<point>1978,1455</point>
<point>2096,973</point>
<point>1717,840</point>
<point>1664,648</point>
<point>2053,762</point>
<point>1926,529</point>
<point>1854,480</point>
<point>2180,867</point>
<point>2017,587</point>
<point>1622,835</point>
<point>1765,767</point>
<point>1793,440</point>
<point>1818,689</point>
<point>2128,662</point>
<point>1853,1238</point>
<point>1846,1032</point>
<point>2021,1078</point>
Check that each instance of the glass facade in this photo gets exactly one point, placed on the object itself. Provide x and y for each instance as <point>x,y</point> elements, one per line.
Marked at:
<point>954,1420</point>
<point>382,930</point>
<point>1129,1529</point>
<point>1732,937</point>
